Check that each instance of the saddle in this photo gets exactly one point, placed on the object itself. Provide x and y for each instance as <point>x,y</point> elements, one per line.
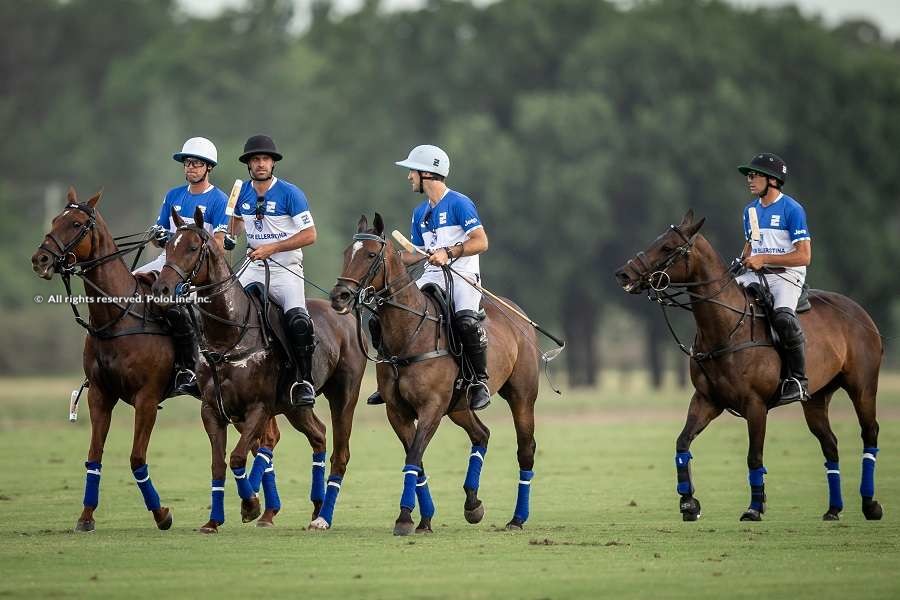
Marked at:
<point>271,317</point>
<point>447,309</point>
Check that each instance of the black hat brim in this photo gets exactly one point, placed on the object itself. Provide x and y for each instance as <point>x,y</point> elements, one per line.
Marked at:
<point>245,157</point>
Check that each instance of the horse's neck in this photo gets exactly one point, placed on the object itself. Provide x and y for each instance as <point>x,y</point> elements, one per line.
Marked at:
<point>230,303</point>
<point>398,324</point>
<point>715,322</point>
<point>110,278</point>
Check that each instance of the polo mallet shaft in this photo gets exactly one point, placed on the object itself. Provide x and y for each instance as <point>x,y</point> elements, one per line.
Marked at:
<point>401,239</point>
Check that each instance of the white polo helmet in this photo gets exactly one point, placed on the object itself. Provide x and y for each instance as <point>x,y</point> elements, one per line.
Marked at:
<point>198,147</point>
<point>430,159</point>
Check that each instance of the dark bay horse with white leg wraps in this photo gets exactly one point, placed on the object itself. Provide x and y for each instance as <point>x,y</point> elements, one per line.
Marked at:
<point>417,383</point>
<point>245,376</point>
<point>735,367</point>
<point>128,354</point>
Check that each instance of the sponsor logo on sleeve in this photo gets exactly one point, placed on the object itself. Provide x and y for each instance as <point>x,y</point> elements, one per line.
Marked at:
<point>471,221</point>
<point>799,232</point>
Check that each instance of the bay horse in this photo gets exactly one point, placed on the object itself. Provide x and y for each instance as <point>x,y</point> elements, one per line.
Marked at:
<point>245,376</point>
<point>734,366</point>
<point>417,382</point>
<point>128,352</point>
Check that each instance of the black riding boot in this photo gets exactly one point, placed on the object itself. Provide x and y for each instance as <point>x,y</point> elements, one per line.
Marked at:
<point>184,339</point>
<point>375,331</point>
<point>795,386</point>
<point>474,341</point>
<point>303,343</point>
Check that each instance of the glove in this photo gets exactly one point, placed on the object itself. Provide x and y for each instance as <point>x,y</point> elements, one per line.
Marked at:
<point>737,266</point>
<point>228,242</point>
<point>159,235</point>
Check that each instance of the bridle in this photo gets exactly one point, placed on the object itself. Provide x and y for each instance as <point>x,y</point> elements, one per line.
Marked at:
<point>655,275</point>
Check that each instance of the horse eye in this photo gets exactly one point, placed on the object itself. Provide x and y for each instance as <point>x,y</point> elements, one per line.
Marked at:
<point>194,248</point>
<point>372,255</point>
<point>76,224</point>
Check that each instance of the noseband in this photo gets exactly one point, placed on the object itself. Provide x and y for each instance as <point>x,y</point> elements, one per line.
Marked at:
<point>655,275</point>
<point>364,292</point>
<point>204,252</point>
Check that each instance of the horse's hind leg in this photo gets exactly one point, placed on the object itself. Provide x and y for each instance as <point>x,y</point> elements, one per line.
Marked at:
<point>342,393</point>
<point>146,405</point>
<point>101,415</point>
<point>217,430</point>
<point>255,419</point>
<point>305,421</point>
<point>816,412</point>
<point>473,509</point>
<point>863,396</point>
<point>700,412</point>
<point>262,473</point>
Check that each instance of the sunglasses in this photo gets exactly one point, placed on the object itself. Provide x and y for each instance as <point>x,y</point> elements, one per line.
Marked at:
<point>260,207</point>
<point>190,163</point>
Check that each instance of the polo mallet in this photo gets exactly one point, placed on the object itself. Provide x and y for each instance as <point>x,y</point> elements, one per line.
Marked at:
<point>229,212</point>
<point>547,356</point>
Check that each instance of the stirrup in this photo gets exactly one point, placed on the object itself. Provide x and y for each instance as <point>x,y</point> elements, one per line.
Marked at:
<point>186,383</point>
<point>479,395</point>
<point>792,390</point>
<point>303,394</point>
<point>375,399</point>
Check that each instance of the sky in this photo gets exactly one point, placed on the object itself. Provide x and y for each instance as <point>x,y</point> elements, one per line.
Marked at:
<point>884,13</point>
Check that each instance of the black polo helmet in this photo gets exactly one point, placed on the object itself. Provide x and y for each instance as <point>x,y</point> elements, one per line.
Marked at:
<point>260,144</point>
<point>767,164</point>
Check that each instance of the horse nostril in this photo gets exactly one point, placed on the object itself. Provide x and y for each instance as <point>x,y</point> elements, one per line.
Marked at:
<point>44,258</point>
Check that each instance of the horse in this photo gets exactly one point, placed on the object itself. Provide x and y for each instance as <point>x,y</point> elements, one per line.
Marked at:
<point>735,367</point>
<point>417,382</point>
<point>120,362</point>
<point>245,376</point>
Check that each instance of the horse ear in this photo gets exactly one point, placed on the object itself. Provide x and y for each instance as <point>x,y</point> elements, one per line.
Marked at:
<point>95,198</point>
<point>693,228</point>
<point>198,217</point>
<point>71,196</point>
<point>378,224</point>
<point>362,224</point>
<point>688,217</point>
<point>177,218</point>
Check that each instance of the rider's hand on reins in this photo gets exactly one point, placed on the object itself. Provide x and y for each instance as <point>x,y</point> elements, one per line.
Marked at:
<point>439,257</point>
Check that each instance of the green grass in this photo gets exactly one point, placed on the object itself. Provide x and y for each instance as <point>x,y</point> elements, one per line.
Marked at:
<point>604,513</point>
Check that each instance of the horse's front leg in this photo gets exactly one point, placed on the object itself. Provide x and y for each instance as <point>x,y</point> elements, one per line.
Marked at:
<point>217,430</point>
<point>252,428</point>
<point>145,408</point>
<point>479,434</point>
<point>429,418</point>
<point>700,412</point>
<point>262,474</point>
<point>756,427</point>
<point>101,415</point>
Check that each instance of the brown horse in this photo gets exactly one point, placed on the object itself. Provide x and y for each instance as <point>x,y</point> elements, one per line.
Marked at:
<point>735,367</point>
<point>245,376</point>
<point>120,360</point>
<point>417,383</point>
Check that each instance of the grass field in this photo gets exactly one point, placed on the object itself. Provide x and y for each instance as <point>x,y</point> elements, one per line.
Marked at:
<point>604,513</point>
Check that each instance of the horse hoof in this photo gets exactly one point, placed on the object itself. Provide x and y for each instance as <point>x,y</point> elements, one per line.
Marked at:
<point>424,529</point>
<point>515,525</point>
<point>476,514</point>
<point>833,514</point>
<point>690,509</point>
<point>165,523</point>
<point>318,524</point>
<point>85,526</point>
<point>210,527</point>
<point>264,524</point>
<point>872,510</point>
<point>250,510</point>
<point>404,528</point>
<point>751,515</point>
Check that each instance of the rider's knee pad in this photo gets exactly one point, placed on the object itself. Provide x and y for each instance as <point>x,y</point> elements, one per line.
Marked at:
<point>788,327</point>
<point>298,322</point>
<point>466,321</point>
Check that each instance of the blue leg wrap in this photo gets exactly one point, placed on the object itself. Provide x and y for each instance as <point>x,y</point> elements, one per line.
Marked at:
<point>426,504</point>
<point>142,477</point>
<point>331,495</point>
<point>217,506</point>
<point>683,470</point>
<point>410,479</point>
<point>317,491</point>
<point>757,488</point>
<point>833,474</point>
<point>262,462</point>
<point>92,484</point>
<point>522,499</point>
<point>867,484</point>
<point>270,490</point>
<point>243,484</point>
<point>473,475</point>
